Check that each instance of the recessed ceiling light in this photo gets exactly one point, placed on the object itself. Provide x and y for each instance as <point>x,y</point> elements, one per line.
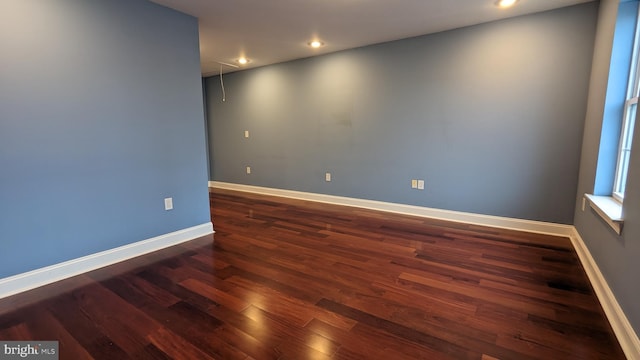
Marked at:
<point>316,44</point>
<point>505,3</point>
<point>243,61</point>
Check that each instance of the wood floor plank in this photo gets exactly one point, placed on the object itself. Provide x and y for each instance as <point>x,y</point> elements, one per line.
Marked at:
<point>87,332</point>
<point>291,279</point>
<point>42,325</point>
<point>369,343</point>
<point>175,346</point>
<point>120,321</point>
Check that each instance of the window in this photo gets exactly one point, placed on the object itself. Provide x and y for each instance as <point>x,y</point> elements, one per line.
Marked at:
<point>621,104</point>
<point>629,117</point>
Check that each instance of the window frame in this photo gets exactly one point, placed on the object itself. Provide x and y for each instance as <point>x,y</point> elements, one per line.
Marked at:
<point>628,118</point>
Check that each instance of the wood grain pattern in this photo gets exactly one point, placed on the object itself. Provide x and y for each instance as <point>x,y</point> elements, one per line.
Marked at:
<point>291,279</point>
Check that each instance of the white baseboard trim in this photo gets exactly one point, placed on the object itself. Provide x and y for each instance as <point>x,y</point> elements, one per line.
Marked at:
<point>457,216</point>
<point>43,276</point>
<point>625,333</point>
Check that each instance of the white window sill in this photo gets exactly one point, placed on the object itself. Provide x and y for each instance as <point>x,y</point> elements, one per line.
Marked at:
<point>608,209</point>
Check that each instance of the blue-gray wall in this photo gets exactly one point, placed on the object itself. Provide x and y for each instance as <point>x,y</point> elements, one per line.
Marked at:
<point>100,120</point>
<point>618,257</point>
<point>490,116</point>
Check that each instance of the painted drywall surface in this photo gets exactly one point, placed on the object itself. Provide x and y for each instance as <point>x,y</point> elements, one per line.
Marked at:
<point>100,120</point>
<point>616,256</point>
<point>490,116</point>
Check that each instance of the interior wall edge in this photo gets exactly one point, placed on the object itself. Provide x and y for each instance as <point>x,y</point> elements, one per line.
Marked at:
<point>533,226</point>
<point>629,340</point>
<point>39,277</point>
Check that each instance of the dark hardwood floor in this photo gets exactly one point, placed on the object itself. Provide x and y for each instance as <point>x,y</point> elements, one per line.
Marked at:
<point>289,279</point>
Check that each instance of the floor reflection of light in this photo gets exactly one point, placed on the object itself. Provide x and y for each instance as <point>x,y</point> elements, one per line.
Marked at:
<point>258,321</point>
<point>320,344</point>
<point>254,314</point>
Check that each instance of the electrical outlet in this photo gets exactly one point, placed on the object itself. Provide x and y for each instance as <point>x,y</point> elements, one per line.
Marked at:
<point>248,169</point>
<point>246,133</point>
<point>420,184</point>
<point>168,203</point>
<point>414,183</point>
<point>327,177</point>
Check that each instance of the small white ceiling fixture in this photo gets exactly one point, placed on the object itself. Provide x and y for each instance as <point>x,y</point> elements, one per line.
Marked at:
<point>316,44</point>
<point>506,3</point>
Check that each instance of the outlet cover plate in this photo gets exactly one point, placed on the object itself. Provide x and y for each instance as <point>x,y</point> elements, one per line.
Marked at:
<point>168,203</point>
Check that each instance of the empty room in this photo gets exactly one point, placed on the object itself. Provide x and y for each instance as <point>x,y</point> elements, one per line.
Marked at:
<point>287,179</point>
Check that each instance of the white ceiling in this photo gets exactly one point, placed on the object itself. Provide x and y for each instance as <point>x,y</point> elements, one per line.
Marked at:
<point>272,31</point>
